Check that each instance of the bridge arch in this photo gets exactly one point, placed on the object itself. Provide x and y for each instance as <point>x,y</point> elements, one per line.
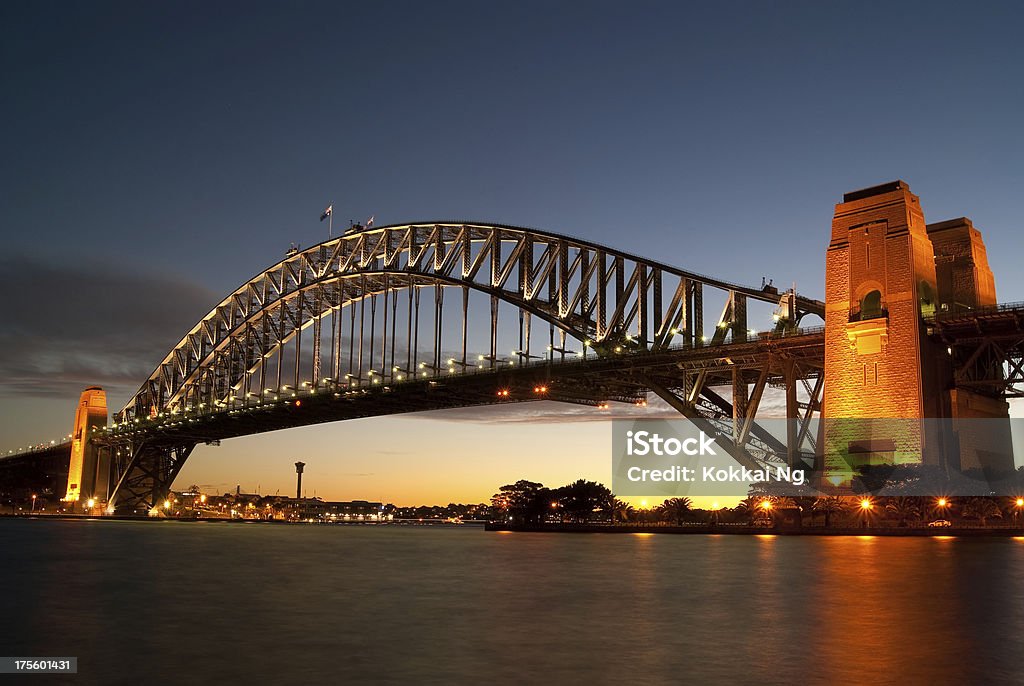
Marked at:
<point>231,373</point>
<point>582,291</point>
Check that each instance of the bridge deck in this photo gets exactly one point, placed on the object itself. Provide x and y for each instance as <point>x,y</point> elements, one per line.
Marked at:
<point>593,381</point>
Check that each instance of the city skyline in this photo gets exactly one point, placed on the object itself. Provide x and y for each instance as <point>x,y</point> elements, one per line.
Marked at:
<point>180,173</point>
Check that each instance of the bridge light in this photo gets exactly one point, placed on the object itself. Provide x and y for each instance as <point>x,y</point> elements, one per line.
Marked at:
<point>586,344</point>
<point>704,339</point>
<point>618,348</point>
<point>89,503</point>
<point>766,504</point>
<point>479,357</point>
<point>399,377</point>
<point>298,403</point>
<point>752,332</point>
<point>942,502</point>
<point>865,504</point>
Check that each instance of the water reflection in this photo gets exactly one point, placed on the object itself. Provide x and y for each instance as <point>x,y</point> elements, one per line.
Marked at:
<point>425,605</point>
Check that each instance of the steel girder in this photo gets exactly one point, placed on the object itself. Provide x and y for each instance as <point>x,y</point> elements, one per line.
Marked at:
<point>375,303</point>
<point>588,292</point>
<point>145,471</point>
<point>986,348</point>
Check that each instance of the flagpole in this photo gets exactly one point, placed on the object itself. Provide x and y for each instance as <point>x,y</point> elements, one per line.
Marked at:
<point>330,223</point>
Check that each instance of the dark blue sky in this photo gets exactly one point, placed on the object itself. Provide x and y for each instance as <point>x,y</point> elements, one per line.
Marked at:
<point>178,148</point>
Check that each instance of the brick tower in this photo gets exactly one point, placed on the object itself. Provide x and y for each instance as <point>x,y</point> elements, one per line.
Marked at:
<point>88,472</point>
<point>887,273</point>
<point>879,285</point>
<point>965,283</point>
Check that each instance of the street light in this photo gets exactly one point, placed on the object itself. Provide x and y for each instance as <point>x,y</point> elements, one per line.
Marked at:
<point>33,502</point>
<point>865,508</point>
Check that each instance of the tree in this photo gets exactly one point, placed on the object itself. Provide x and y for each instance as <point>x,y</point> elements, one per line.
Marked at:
<point>622,511</point>
<point>675,510</point>
<point>981,508</point>
<point>753,506</point>
<point>829,505</point>
<point>904,507</point>
<point>524,502</point>
<point>582,500</point>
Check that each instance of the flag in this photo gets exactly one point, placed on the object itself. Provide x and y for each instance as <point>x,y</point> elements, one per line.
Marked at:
<point>327,213</point>
<point>369,222</point>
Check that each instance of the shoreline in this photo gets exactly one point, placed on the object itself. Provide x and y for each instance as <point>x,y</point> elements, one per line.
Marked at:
<point>229,520</point>
<point>730,530</point>
<point>700,529</point>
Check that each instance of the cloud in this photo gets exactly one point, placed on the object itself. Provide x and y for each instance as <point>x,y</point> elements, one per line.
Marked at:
<point>70,325</point>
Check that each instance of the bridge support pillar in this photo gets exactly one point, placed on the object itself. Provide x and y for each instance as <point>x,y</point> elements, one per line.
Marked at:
<point>89,469</point>
<point>882,288</point>
<point>146,476</point>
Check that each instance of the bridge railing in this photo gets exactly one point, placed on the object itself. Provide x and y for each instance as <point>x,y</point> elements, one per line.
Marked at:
<point>340,387</point>
<point>976,311</point>
<point>34,449</point>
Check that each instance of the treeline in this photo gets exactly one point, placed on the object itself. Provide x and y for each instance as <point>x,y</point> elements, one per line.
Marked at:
<point>581,502</point>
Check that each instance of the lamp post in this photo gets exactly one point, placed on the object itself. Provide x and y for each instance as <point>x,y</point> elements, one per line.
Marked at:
<point>865,508</point>
<point>33,503</point>
<point>766,505</point>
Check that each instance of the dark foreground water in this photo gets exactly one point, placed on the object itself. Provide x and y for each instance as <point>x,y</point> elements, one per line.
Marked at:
<point>198,603</point>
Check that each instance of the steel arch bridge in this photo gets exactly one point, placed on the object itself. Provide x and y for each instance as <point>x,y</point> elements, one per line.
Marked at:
<point>424,316</point>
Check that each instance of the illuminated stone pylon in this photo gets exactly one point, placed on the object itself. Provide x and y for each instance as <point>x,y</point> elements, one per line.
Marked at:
<point>887,274</point>
<point>87,472</point>
<point>879,365</point>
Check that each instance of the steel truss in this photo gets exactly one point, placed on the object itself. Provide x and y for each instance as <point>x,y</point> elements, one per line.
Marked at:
<point>404,304</point>
<point>986,349</point>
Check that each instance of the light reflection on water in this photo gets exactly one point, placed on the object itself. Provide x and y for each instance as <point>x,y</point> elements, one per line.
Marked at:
<point>260,603</point>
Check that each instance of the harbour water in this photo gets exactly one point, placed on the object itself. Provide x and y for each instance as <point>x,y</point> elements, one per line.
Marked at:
<point>152,602</point>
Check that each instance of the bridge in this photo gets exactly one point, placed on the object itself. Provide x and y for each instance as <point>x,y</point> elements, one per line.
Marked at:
<point>426,316</point>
